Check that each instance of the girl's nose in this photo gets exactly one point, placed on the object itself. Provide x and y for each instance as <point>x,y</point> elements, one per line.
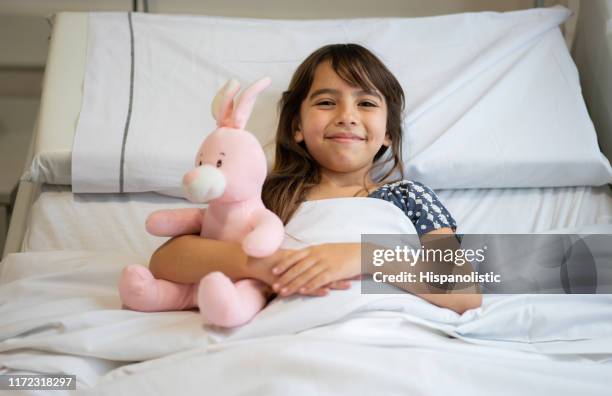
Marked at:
<point>346,116</point>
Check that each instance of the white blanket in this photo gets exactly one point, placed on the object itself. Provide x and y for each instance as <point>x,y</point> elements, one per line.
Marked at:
<point>502,85</point>
<point>61,313</point>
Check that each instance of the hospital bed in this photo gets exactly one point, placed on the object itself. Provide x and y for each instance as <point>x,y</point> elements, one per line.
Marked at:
<point>61,312</point>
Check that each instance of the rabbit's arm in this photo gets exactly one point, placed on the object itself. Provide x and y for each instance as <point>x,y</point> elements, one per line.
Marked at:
<point>267,235</point>
<point>173,222</point>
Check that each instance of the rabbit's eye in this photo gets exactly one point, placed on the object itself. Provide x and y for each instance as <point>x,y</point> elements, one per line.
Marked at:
<point>219,163</point>
<point>200,163</point>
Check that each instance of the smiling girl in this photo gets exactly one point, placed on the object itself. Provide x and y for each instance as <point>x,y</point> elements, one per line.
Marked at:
<point>340,115</point>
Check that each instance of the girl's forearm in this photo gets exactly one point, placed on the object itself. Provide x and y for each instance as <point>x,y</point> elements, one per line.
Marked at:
<point>188,258</point>
<point>457,300</point>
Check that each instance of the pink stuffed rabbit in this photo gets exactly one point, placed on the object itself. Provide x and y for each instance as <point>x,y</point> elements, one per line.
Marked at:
<point>229,174</point>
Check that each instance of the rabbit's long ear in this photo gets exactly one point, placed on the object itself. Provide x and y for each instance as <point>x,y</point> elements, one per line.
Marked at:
<point>223,103</point>
<point>246,101</point>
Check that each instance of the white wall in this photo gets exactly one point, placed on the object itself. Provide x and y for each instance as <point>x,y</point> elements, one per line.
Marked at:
<point>593,56</point>
<point>24,28</point>
<point>272,8</point>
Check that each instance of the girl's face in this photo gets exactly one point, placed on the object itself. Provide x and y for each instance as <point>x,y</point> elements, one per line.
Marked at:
<point>342,126</point>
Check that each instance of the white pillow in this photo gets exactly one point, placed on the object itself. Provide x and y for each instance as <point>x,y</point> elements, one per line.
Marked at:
<point>493,99</point>
<point>520,122</point>
<point>50,167</point>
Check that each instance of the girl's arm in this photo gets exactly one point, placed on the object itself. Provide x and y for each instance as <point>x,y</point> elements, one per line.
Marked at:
<point>459,301</point>
<point>188,258</point>
<point>308,268</point>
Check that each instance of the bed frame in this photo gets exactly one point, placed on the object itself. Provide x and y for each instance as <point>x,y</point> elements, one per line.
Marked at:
<point>56,122</point>
<point>65,71</point>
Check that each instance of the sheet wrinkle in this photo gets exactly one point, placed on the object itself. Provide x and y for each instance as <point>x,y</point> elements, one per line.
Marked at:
<point>574,209</point>
<point>561,70</point>
<point>539,213</point>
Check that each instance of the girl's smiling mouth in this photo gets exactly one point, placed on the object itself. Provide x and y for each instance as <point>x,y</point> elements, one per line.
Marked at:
<point>344,137</point>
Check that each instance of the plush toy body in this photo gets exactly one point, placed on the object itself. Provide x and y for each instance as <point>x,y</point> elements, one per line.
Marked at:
<point>229,173</point>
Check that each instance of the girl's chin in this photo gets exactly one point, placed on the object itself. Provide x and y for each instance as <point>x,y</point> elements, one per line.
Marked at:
<point>346,167</point>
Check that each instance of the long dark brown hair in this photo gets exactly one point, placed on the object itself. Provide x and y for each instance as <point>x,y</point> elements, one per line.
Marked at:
<point>295,172</point>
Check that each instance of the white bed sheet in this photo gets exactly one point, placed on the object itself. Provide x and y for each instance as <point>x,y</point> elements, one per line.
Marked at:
<point>61,312</point>
<point>62,220</point>
<point>528,210</point>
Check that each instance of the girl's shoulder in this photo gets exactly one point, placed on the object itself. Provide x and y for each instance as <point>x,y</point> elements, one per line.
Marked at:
<point>419,203</point>
<point>403,187</point>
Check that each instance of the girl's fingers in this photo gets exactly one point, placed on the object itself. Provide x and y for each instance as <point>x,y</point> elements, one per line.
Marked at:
<point>293,272</point>
<point>288,261</point>
<point>315,282</point>
<point>301,280</point>
<point>318,292</point>
<point>340,285</point>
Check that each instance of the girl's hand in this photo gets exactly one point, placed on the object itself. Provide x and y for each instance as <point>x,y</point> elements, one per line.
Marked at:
<point>261,268</point>
<point>312,268</point>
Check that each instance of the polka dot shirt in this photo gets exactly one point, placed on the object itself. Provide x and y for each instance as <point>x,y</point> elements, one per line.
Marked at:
<point>419,203</point>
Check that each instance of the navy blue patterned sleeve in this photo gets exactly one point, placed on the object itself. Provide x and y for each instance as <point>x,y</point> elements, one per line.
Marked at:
<point>419,203</point>
<point>425,209</point>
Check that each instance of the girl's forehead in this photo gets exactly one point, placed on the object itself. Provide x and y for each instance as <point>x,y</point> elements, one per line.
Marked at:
<point>324,73</point>
<point>326,77</point>
<point>327,81</point>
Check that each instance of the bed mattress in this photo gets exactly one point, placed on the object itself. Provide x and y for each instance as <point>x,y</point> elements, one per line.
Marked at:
<point>61,220</point>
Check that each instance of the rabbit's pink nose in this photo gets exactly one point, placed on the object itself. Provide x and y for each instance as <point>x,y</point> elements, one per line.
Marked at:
<point>190,176</point>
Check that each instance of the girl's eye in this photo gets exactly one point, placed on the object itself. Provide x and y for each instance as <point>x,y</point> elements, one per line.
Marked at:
<point>219,163</point>
<point>326,103</point>
<point>369,104</point>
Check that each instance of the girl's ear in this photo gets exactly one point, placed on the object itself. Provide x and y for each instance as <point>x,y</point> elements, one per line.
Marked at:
<point>298,136</point>
<point>387,140</point>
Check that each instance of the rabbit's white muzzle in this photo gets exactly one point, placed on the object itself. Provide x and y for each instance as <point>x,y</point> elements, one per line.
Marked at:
<point>204,184</point>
